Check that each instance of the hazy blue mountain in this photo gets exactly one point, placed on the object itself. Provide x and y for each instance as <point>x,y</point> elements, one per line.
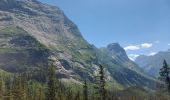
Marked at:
<point>152,64</point>
<point>32,32</point>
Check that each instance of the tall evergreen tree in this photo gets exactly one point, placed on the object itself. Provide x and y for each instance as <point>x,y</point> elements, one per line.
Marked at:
<point>69,95</point>
<point>85,90</point>
<point>165,74</point>
<point>102,83</point>
<point>1,88</point>
<point>40,93</point>
<point>19,88</point>
<point>51,84</point>
<point>77,97</point>
<point>8,89</point>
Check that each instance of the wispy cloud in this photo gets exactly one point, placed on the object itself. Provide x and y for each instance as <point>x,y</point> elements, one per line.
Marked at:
<point>140,46</point>
<point>132,47</point>
<point>146,45</point>
<point>152,53</point>
<point>133,56</point>
<point>169,44</point>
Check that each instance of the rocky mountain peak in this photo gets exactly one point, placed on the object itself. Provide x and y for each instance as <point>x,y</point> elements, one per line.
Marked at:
<point>12,1</point>
<point>115,47</point>
<point>117,50</point>
<point>119,54</point>
<point>17,5</point>
<point>31,32</point>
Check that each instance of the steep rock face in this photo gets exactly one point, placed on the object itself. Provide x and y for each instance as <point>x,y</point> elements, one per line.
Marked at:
<point>20,52</point>
<point>152,64</point>
<point>32,32</point>
<point>119,54</point>
<point>122,68</point>
<point>51,28</point>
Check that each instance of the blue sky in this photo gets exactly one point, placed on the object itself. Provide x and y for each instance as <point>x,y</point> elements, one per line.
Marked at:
<point>140,26</point>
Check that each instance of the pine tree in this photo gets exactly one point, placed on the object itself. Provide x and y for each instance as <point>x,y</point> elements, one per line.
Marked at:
<point>61,91</point>
<point>51,84</point>
<point>85,92</point>
<point>8,89</point>
<point>164,74</point>
<point>40,93</point>
<point>69,94</point>
<point>1,88</point>
<point>19,88</point>
<point>24,86</point>
<point>77,97</point>
<point>102,83</point>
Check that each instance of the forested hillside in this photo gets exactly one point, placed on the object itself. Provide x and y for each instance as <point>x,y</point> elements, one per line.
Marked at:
<point>43,56</point>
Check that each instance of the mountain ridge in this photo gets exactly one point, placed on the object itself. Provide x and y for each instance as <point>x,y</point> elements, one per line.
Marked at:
<point>152,64</point>
<point>35,32</point>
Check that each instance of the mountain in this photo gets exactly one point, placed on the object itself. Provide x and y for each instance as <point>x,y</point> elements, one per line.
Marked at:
<point>152,64</point>
<point>119,55</point>
<point>31,33</point>
<point>121,67</point>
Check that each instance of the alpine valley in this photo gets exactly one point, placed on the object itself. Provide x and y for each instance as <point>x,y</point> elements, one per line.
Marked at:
<point>31,33</point>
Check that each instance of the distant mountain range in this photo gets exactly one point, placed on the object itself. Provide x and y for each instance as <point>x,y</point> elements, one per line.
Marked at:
<point>32,32</point>
<point>152,64</point>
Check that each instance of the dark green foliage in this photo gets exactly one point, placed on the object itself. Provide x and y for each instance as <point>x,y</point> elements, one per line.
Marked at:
<point>77,96</point>
<point>100,91</point>
<point>51,84</point>
<point>164,74</point>
<point>36,90</point>
<point>17,87</point>
<point>8,89</point>
<point>102,83</point>
<point>85,90</point>
<point>1,88</point>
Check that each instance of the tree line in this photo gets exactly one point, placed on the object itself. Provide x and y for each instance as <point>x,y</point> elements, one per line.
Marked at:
<point>18,87</point>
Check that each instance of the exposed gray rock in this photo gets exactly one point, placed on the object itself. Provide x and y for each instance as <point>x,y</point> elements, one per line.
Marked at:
<point>31,32</point>
<point>152,64</point>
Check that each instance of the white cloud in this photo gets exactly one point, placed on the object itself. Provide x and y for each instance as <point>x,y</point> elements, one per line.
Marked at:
<point>131,47</point>
<point>140,46</point>
<point>146,45</point>
<point>152,53</point>
<point>169,44</point>
<point>133,56</point>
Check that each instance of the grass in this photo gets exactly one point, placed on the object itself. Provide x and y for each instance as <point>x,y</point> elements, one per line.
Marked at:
<point>4,74</point>
<point>13,31</point>
<point>18,33</point>
<point>7,50</point>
